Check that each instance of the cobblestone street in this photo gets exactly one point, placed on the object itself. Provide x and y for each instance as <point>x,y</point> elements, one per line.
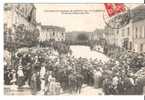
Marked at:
<point>86,91</point>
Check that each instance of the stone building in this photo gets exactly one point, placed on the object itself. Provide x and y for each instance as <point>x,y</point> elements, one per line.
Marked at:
<point>18,14</point>
<point>51,33</point>
<point>98,34</point>
<point>138,25</point>
<point>132,35</point>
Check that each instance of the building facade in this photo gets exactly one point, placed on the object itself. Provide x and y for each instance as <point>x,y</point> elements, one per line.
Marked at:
<point>132,35</point>
<point>51,33</point>
<point>18,14</point>
<point>109,35</point>
<point>137,42</point>
<point>98,34</point>
<point>139,36</point>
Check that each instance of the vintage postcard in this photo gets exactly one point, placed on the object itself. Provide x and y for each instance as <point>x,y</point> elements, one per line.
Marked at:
<point>74,49</point>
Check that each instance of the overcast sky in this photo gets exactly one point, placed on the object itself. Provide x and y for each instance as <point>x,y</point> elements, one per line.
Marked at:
<point>72,22</point>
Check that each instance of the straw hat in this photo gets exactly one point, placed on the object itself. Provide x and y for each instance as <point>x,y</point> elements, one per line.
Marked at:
<point>13,70</point>
<point>20,67</point>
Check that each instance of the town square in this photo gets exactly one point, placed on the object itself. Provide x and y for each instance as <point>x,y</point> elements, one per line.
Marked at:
<point>74,49</point>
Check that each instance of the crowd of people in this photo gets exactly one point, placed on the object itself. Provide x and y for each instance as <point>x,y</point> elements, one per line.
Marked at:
<point>50,74</point>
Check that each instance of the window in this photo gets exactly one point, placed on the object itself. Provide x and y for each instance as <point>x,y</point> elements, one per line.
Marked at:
<point>123,33</point>
<point>140,32</point>
<point>5,27</point>
<point>136,31</point>
<point>18,6</point>
<point>128,31</point>
<point>53,34</point>
<point>130,46</point>
<point>117,32</point>
<point>144,31</point>
<point>62,34</point>
<point>141,47</point>
<point>136,35</point>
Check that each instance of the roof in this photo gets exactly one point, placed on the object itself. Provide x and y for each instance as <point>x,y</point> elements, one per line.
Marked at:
<point>138,13</point>
<point>7,7</point>
<point>99,30</point>
<point>53,27</point>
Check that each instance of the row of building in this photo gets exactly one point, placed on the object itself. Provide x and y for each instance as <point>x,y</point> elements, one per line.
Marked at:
<point>84,36</point>
<point>132,35</point>
<point>48,32</point>
<point>78,36</point>
<point>25,14</point>
<point>15,15</point>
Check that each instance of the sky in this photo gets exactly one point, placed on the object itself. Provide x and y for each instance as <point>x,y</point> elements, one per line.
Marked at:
<point>72,22</point>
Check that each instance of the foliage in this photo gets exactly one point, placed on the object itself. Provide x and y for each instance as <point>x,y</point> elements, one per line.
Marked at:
<point>26,38</point>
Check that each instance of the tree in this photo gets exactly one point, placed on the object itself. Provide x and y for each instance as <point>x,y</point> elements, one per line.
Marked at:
<point>26,38</point>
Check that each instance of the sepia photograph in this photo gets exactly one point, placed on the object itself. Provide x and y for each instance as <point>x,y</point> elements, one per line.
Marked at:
<point>74,49</point>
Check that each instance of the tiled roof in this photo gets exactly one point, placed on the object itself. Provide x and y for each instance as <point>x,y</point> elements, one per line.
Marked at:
<point>53,27</point>
<point>138,13</point>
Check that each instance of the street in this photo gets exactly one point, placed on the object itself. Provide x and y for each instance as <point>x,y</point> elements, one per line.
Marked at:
<point>86,91</point>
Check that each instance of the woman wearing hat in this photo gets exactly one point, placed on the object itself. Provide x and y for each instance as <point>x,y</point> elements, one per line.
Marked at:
<point>33,83</point>
<point>20,75</point>
<point>42,77</point>
<point>13,81</point>
<point>52,87</point>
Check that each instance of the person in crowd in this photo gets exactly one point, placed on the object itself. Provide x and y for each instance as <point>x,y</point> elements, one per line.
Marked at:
<point>128,85</point>
<point>13,80</point>
<point>52,87</point>
<point>27,75</point>
<point>79,82</point>
<point>33,83</point>
<point>115,83</point>
<point>120,86</point>
<point>51,76</point>
<point>42,78</point>
<point>8,75</point>
<point>107,86</point>
<point>97,78</point>
<point>90,80</point>
<point>38,82</point>
<point>20,76</point>
<point>139,86</point>
<point>72,82</point>
<point>144,89</point>
<point>58,88</point>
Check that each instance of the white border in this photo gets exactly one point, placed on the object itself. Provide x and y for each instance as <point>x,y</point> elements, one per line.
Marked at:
<point>77,1</point>
<point>1,48</point>
<point>58,97</point>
